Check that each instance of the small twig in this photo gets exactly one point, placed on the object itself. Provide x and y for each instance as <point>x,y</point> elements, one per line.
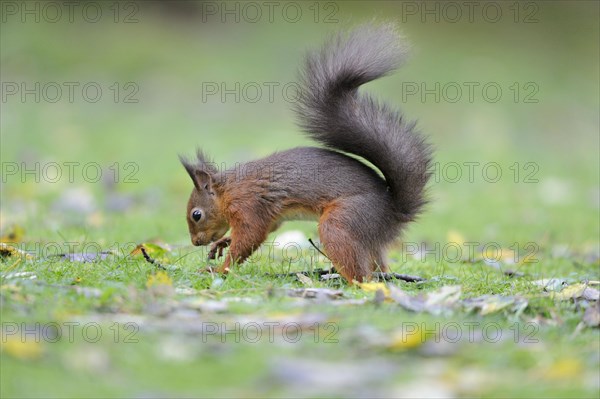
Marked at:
<point>150,260</point>
<point>317,248</point>
<point>397,276</point>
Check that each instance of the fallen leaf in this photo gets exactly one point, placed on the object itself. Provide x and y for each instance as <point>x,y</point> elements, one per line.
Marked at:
<point>330,276</point>
<point>14,235</point>
<point>315,293</point>
<point>591,317</point>
<point>437,302</point>
<point>553,284</point>
<point>8,250</point>
<point>95,219</point>
<point>160,284</point>
<point>591,294</point>
<point>402,298</point>
<point>155,251</point>
<point>407,339</point>
<point>454,237</point>
<point>205,306</point>
<point>21,348</point>
<point>577,291</point>
<point>305,280</point>
<point>492,256</point>
<point>85,257</point>
<point>159,278</point>
<point>446,296</point>
<point>379,297</point>
<point>564,369</point>
<point>374,287</point>
<point>488,304</point>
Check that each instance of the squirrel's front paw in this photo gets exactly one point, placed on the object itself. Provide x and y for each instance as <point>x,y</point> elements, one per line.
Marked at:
<point>211,270</point>
<point>207,269</point>
<point>216,249</point>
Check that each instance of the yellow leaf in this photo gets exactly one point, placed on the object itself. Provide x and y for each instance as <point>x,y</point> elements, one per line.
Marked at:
<point>564,369</point>
<point>95,219</point>
<point>374,287</point>
<point>21,349</point>
<point>156,252</point>
<point>407,339</point>
<point>493,307</point>
<point>9,250</point>
<point>15,234</point>
<point>160,278</point>
<point>456,238</point>
<point>572,291</point>
<point>153,250</point>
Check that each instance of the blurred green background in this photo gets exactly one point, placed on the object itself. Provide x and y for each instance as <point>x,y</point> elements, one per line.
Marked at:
<point>169,56</point>
<point>179,75</point>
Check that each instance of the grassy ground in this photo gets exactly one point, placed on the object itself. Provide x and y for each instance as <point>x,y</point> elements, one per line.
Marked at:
<point>120,326</point>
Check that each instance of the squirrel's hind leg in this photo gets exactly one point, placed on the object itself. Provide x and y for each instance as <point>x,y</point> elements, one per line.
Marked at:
<point>349,256</point>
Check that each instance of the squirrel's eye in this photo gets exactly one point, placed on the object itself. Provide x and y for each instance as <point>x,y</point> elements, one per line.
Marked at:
<point>196,215</point>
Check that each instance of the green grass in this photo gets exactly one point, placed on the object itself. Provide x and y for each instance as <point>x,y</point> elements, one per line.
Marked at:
<point>544,350</point>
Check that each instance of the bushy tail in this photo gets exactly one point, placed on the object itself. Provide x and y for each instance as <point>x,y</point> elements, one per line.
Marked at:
<point>332,111</point>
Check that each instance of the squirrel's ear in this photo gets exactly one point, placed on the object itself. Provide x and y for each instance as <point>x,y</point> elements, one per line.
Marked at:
<point>202,180</point>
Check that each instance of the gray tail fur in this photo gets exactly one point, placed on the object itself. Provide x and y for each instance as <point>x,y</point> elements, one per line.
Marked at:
<point>332,111</point>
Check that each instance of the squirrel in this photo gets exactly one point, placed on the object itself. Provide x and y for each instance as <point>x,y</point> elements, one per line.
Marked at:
<point>360,211</point>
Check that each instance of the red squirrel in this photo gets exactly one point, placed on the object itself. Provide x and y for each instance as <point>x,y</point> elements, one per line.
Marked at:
<point>360,211</point>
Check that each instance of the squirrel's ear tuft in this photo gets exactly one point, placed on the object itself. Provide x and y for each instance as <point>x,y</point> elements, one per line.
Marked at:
<point>205,162</point>
<point>190,168</point>
<point>201,173</point>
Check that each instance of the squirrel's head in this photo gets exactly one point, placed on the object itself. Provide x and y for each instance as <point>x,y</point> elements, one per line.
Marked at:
<point>206,222</point>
